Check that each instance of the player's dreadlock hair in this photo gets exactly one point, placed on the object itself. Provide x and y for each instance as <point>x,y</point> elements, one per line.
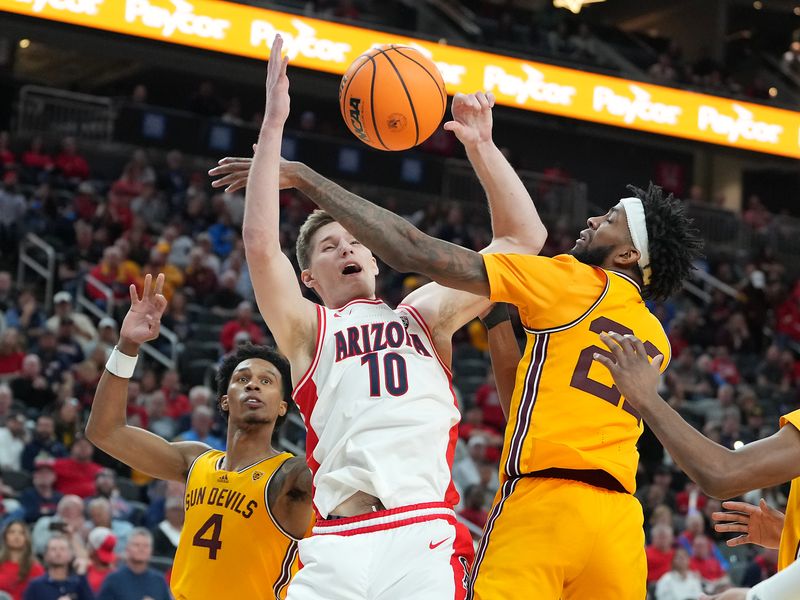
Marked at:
<point>674,243</point>
<point>245,351</point>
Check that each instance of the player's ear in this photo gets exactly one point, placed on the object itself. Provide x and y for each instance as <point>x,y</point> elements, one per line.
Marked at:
<point>627,258</point>
<point>307,278</point>
<point>223,403</point>
<point>375,266</point>
<point>283,408</point>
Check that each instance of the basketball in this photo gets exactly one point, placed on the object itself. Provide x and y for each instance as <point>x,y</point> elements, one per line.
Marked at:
<point>392,97</point>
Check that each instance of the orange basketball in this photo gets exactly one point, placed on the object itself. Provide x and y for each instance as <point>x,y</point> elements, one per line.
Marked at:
<point>392,97</point>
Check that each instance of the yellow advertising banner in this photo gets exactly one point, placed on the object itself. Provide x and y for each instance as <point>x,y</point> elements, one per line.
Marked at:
<point>248,31</point>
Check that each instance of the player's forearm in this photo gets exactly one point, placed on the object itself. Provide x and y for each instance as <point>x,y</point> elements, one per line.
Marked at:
<point>704,461</point>
<point>514,215</point>
<point>781,586</point>
<point>261,223</point>
<point>396,241</point>
<point>505,355</point>
<point>109,408</point>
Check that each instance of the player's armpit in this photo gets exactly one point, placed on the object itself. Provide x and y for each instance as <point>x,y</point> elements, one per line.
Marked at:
<point>505,354</point>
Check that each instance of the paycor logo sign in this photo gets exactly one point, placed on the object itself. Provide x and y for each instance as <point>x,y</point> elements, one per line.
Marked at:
<point>180,17</point>
<point>78,7</point>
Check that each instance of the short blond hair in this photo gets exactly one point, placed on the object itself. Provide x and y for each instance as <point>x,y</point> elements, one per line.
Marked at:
<point>315,221</point>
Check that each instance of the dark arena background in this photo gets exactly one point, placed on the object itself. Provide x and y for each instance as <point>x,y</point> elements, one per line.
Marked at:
<point>112,112</point>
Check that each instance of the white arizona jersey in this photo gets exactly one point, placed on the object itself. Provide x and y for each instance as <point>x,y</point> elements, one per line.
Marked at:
<point>379,409</point>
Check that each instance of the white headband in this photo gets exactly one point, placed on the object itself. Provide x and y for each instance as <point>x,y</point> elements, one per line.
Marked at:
<point>637,225</point>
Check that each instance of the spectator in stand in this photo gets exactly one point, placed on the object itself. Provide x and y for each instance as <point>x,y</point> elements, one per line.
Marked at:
<point>474,511</point>
<point>68,421</point>
<point>242,322</point>
<point>106,485</point>
<point>100,545</point>
<point>756,215</point>
<point>168,532</point>
<point>69,520</point>
<point>36,161</point>
<point>44,443</point>
<point>487,399</point>
<point>177,318</point>
<point>226,298</point>
<point>41,499</point>
<point>205,101</point>
<point>12,438</point>
<point>12,209</point>
<point>76,474</point>
<point>6,403</point>
<point>199,276</point>
<point>705,564</point>
<point>18,565</point>
<point>81,257</point>
<point>763,566</point>
<point>99,510</point>
<point>107,335</point>
<point>173,277</point>
<point>202,420</point>
<point>680,583</point>
<point>660,552</point>
<point>199,395</point>
<point>173,178</point>
<point>7,157</point>
<point>108,272</point>
<point>26,315</point>
<point>157,420</point>
<point>690,501</point>
<point>134,580</point>
<point>31,388</point>
<point>11,353</point>
<point>791,59</point>
<point>662,70</point>
<point>69,350</point>
<point>472,424</point>
<point>7,291</point>
<point>177,402</point>
<point>57,583</point>
<point>85,331</point>
<point>71,165</point>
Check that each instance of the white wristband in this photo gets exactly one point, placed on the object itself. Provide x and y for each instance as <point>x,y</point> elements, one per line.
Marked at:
<point>120,364</point>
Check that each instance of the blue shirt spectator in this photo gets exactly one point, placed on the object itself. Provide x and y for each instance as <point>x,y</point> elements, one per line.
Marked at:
<point>57,583</point>
<point>135,580</point>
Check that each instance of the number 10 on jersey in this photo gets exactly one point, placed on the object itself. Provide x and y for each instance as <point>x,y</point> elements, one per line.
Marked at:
<point>394,374</point>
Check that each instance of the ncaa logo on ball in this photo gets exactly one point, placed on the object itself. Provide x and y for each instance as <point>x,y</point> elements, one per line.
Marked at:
<point>257,475</point>
<point>355,119</point>
<point>396,122</point>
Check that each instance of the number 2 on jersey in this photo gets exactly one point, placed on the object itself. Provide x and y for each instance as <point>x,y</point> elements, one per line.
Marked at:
<point>395,374</point>
<point>580,377</point>
<point>213,543</point>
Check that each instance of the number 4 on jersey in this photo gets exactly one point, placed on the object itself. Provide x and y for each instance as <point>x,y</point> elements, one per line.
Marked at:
<point>213,543</point>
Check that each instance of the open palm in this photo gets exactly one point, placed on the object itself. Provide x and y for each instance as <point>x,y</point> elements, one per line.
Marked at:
<point>143,321</point>
<point>760,525</point>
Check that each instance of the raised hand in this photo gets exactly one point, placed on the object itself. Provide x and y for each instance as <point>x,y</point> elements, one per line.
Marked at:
<point>233,173</point>
<point>760,525</point>
<point>472,118</point>
<point>277,104</point>
<point>143,321</point>
<point>633,373</point>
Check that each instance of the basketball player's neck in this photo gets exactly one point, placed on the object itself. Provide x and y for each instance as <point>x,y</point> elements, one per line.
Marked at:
<point>248,445</point>
<point>335,301</point>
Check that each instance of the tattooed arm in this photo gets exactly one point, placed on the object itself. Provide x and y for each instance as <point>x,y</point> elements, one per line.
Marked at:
<point>396,241</point>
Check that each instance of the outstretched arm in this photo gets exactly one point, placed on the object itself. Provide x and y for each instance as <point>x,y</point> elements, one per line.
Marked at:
<point>290,317</point>
<point>107,427</point>
<point>722,473</point>
<point>401,245</point>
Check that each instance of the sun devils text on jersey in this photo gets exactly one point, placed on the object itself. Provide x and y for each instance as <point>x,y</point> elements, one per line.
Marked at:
<point>228,525</point>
